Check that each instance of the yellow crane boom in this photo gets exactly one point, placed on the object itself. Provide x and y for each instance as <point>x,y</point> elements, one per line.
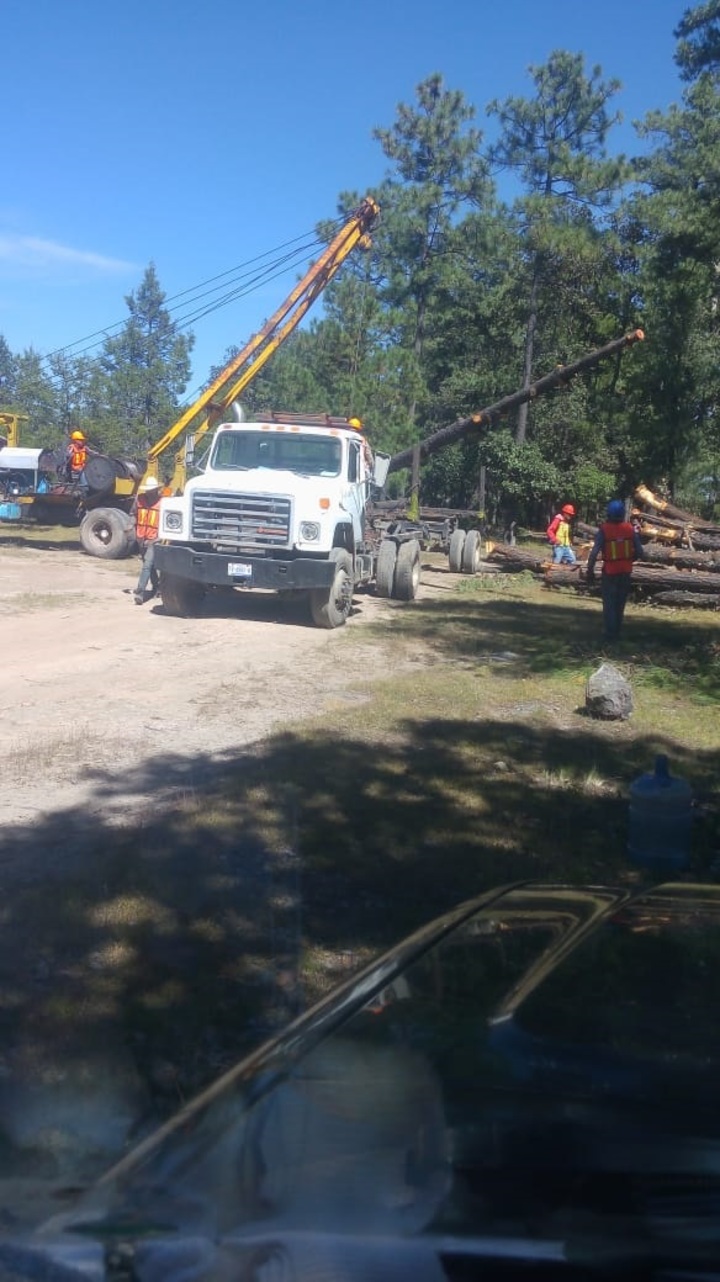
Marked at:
<point>218,397</point>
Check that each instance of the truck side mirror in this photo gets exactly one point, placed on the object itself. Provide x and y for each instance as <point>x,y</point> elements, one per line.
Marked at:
<point>189,456</point>
<point>380,470</point>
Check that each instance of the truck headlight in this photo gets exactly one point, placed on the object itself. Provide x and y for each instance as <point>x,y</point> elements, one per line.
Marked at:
<point>172,522</point>
<point>309,531</point>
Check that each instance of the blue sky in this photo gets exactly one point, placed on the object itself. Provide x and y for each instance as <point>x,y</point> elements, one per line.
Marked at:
<point>197,135</point>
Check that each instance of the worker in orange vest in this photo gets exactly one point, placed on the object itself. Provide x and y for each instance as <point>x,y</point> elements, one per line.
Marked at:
<point>147,527</point>
<point>618,543</point>
<point>76,455</point>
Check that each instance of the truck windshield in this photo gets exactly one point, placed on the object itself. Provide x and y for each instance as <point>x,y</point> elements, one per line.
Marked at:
<point>281,451</point>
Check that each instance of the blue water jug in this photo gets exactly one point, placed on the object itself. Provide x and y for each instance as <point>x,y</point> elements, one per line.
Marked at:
<point>660,820</point>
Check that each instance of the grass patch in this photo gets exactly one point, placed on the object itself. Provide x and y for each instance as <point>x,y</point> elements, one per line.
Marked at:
<point>62,537</point>
<point>29,602</point>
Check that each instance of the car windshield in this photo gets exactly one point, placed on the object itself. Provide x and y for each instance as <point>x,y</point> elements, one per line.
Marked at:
<point>302,453</point>
<point>499,1081</point>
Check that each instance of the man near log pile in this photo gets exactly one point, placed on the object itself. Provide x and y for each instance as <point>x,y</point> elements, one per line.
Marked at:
<point>618,543</point>
<point>559,536</point>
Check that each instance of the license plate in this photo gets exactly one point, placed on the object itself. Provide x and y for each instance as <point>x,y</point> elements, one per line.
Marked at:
<point>239,570</point>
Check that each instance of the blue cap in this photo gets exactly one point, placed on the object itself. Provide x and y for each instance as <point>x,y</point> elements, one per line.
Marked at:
<point>616,510</point>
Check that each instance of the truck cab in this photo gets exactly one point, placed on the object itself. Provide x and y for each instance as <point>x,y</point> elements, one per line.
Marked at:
<point>281,504</point>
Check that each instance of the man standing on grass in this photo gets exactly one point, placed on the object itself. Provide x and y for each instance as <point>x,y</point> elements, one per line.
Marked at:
<point>618,543</point>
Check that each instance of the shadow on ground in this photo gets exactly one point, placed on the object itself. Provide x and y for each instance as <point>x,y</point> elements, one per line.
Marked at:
<point>182,934</point>
<point>138,962</point>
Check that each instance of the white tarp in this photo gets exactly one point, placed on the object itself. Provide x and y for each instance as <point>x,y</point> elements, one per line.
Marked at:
<point>15,459</point>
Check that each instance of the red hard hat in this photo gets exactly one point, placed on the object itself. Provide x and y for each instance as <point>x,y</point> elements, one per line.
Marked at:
<point>568,510</point>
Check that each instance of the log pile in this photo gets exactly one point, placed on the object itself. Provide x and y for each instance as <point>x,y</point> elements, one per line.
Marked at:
<point>681,557</point>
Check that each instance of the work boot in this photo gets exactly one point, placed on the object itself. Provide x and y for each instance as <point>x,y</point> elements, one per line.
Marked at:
<point>138,598</point>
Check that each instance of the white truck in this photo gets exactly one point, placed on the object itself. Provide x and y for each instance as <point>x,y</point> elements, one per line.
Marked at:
<point>283,503</point>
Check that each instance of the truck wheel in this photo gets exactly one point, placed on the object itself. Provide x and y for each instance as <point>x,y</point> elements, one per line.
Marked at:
<point>330,607</point>
<point>471,553</point>
<point>455,555</point>
<point>182,598</point>
<point>407,571</point>
<point>385,569</point>
<point>103,533</point>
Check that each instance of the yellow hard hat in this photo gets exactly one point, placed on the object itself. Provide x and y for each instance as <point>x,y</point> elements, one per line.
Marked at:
<point>355,422</point>
<point>77,436</point>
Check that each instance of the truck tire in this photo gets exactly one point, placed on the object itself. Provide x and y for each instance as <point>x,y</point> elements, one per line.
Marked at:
<point>330,607</point>
<point>407,571</point>
<point>385,568</point>
<point>104,533</point>
<point>471,553</point>
<point>181,598</point>
<point>455,554</point>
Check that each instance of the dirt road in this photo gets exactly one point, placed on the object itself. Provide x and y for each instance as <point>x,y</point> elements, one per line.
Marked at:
<point>93,685</point>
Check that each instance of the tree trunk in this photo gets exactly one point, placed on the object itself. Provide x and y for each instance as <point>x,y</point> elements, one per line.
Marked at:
<point>522,418</point>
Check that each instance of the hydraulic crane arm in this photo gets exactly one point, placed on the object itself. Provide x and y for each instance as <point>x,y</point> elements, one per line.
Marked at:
<point>216,400</point>
<point>467,426</point>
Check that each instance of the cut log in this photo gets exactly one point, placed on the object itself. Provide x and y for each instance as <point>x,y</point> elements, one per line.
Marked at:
<point>679,536</point>
<point>515,558</point>
<point>674,532</point>
<point>584,531</point>
<point>696,600</point>
<point>682,558</point>
<point>569,576</point>
<point>658,578</point>
<point>647,497</point>
<point>646,579</point>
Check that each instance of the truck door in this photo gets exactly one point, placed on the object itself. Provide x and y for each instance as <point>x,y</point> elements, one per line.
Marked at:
<point>354,496</point>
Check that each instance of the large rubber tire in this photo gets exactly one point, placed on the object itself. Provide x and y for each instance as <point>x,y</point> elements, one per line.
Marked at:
<point>330,607</point>
<point>385,568</point>
<point>182,598</point>
<point>104,533</point>
<point>130,533</point>
<point>455,555</point>
<point>471,553</point>
<point>407,571</point>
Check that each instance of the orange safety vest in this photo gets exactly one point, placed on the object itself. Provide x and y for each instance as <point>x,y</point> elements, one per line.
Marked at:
<point>78,457</point>
<point>147,522</point>
<point>618,547</point>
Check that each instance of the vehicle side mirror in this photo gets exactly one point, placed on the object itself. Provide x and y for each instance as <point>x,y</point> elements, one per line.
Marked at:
<point>380,470</point>
<point>189,456</point>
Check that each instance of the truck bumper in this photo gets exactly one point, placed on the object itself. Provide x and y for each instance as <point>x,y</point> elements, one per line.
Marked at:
<point>219,569</point>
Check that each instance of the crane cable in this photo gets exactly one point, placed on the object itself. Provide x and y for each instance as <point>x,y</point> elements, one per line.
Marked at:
<point>278,265</point>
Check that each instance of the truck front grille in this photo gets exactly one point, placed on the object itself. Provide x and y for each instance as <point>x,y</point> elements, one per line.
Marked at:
<point>229,520</point>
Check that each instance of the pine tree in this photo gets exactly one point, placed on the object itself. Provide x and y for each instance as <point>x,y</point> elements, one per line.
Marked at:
<point>142,373</point>
<point>555,144</point>
<point>698,36</point>
<point>438,175</point>
<point>677,209</point>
